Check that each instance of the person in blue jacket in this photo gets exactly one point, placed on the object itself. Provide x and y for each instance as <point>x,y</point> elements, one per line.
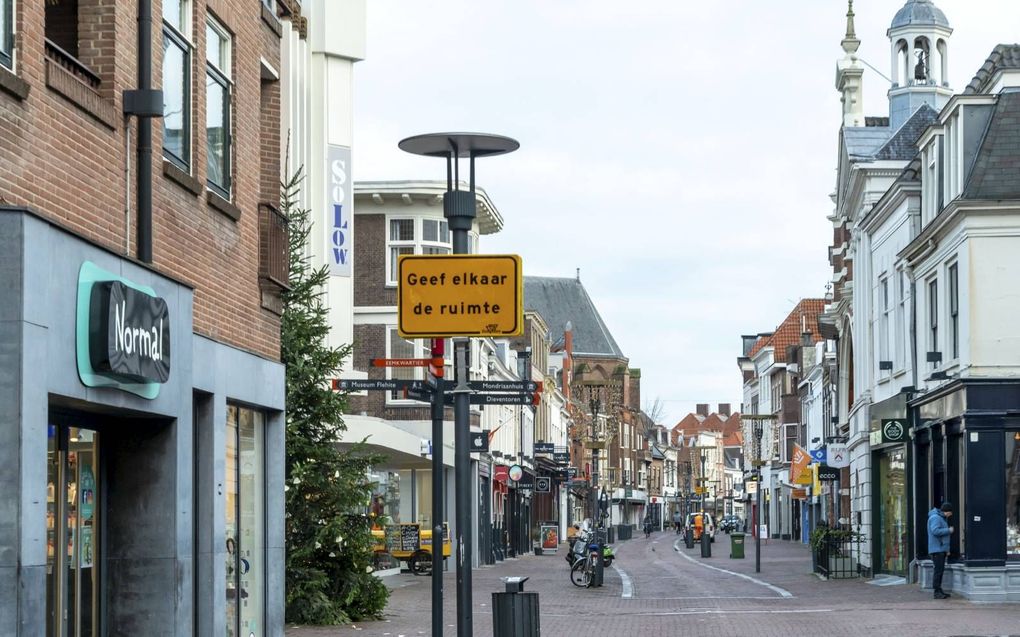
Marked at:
<point>938,543</point>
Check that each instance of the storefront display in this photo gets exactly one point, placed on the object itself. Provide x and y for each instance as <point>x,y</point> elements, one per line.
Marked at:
<point>892,512</point>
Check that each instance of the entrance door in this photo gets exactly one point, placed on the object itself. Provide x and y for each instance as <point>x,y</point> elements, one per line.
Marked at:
<point>72,532</point>
<point>892,512</point>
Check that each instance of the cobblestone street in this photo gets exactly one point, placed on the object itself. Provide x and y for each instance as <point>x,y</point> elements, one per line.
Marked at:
<point>656,589</point>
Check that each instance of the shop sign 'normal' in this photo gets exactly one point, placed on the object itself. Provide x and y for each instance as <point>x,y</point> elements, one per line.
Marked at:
<point>442,295</point>
<point>129,333</point>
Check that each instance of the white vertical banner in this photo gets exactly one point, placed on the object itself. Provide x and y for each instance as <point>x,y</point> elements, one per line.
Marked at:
<point>339,212</point>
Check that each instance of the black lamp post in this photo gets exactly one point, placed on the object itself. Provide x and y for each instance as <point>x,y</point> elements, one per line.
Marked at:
<point>759,431</point>
<point>459,207</point>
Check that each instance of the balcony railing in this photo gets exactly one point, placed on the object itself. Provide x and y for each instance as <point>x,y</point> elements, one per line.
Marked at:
<point>274,248</point>
<point>72,65</point>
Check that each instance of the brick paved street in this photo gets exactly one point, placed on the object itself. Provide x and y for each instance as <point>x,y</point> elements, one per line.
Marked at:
<point>671,594</point>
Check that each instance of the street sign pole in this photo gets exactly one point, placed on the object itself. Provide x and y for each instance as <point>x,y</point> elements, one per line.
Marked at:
<point>459,209</point>
<point>438,484</point>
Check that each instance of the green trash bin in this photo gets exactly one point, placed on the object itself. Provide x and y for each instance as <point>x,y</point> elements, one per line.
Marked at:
<point>736,546</point>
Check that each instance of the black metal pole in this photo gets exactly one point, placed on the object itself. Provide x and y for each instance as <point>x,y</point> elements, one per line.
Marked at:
<point>459,209</point>
<point>757,509</point>
<point>437,502</point>
<point>144,178</point>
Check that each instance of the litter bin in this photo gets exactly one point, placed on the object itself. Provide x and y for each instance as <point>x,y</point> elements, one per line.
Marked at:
<point>736,546</point>
<point>689,538</point>
<point>624,532</point>
<point>706,544</point>
<point>514,612</point>
<point>610,535</point>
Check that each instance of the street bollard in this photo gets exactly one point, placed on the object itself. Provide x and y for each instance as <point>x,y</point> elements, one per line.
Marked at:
<point>706,544</point>
<point>514,612</point>
<point>689,538</point>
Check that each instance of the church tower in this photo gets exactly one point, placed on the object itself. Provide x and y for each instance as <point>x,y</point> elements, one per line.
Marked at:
<point>919,36</point>
<point>849,73</point>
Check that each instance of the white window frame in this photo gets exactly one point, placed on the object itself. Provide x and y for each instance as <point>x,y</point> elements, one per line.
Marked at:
<point>884,317</point>
<point>417,244</point>
<point>183,40</point>
<point>953,320</point>
<point>901,318</point>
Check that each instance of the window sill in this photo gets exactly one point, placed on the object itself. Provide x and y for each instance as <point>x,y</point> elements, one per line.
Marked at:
<point>172,172</point>
<point>219,203</point>
<point>11,83</point>
<point>272,21</point>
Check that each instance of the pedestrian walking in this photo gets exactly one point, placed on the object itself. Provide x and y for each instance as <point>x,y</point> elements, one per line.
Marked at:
<point>678,521</point>
<point>939,532</point>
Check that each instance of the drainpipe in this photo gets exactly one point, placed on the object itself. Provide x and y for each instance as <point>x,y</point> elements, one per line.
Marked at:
<point>144,103</point>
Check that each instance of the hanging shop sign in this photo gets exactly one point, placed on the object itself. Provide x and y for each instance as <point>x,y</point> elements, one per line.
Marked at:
<point>894,430</point>
<point>479,442</point>
<point>122,333</point>
<point>838,455</point>
<point>543,484</point>
<point>818,455</point>
<point>828,474</point>
<point>544,447</point>
<point>448,295</point>
<point>339,232</point>
<point>799,470</point>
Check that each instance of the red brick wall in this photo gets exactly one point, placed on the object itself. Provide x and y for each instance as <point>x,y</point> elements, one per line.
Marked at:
<point>69,166</point>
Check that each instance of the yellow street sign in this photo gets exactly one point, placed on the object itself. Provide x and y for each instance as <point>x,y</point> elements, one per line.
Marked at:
<point>446,295</point>
<point>700,490</point>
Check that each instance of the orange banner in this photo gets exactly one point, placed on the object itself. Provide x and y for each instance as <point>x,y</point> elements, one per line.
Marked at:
<point>799,471</point>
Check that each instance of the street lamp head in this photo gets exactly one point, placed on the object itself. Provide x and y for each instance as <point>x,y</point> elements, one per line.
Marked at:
<point>458,145</point>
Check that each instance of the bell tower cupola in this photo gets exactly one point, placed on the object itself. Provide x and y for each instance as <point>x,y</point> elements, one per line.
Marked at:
<point>919,36</point>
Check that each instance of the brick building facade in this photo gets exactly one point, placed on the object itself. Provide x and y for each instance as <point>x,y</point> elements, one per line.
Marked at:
<point>160,472</point>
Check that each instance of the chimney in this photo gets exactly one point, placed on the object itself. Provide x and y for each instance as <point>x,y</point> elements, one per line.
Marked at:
<point>702,409</point>
<point>806,339</point>
<point>724,409</point>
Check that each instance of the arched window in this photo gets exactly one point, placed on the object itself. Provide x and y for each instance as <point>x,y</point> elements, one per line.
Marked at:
<point>901,64</point>
<point>943,50</point>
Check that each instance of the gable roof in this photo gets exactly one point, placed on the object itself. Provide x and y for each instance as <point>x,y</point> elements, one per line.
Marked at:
<point>804,316</point>
<point>862,142</point>
<point>1003,57</point>
<point>563,300</point>
<point>995,169</point>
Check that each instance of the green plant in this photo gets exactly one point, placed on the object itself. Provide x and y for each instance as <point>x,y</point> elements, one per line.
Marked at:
<point>826,538</point>
<point>328,532</point>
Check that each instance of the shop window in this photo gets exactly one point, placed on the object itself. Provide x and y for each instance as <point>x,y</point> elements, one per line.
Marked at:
<point>177,83</point>
<point>244,513</point>
<point>7,33</point>
<point>72,532</point>
<point>218,85</point>
<point>1013,495</point>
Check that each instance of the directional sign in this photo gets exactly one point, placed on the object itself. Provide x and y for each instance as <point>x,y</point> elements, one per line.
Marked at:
<point>479,441</point>
<point>403,362</point>
<point>382,384</point>
<point>447,295</point>
<point>543,484</point>
<point>544,447</point>
<point>418,393</point>
<point>521,386</point>
<point>502,399</point>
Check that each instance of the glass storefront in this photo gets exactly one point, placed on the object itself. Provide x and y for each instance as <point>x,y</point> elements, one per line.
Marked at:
<point>1013,495</point>
<point>892,512</point>
<point>244,490</point>
<point>72,532</point>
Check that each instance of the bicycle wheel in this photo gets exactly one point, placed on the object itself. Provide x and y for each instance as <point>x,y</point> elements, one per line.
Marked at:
<point>580,575</point>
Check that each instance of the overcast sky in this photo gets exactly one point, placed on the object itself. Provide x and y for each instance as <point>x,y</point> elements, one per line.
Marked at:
<point>679,152</point>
